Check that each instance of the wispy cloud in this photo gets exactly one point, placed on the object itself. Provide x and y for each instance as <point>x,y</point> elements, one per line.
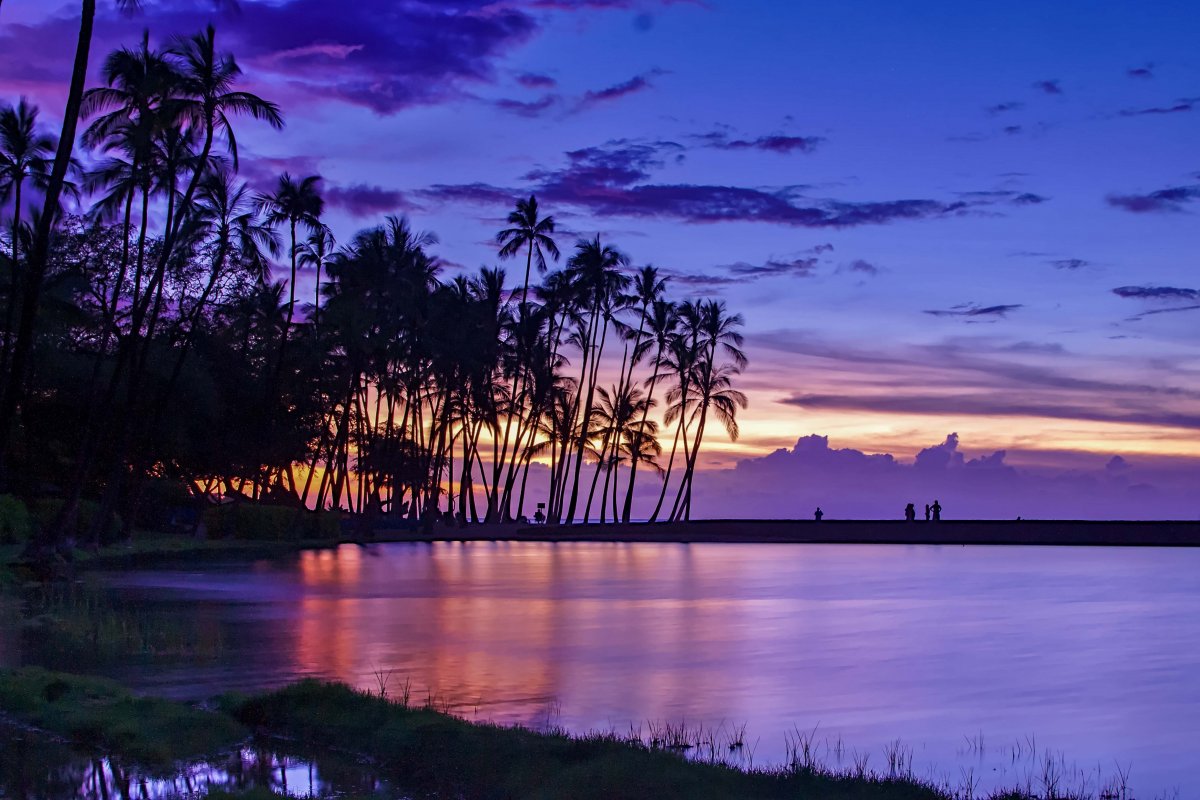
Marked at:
<point>638,83</point>
<point>975,310</point>
<point>773,144</point>
<point>1050,86</point>
<point>1164,200</point>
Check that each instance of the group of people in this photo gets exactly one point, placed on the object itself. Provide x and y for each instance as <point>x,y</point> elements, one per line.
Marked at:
<point>932,512</point>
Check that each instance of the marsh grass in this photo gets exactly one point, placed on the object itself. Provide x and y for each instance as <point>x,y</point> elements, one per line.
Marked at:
<point>80,624</point>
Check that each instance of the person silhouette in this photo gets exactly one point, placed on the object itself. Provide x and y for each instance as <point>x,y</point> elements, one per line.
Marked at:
<point>818,514</point>
<point>937,511</point>
<point>910,512</point>
<point>927,512</point>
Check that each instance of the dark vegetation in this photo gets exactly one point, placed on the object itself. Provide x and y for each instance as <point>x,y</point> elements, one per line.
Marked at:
<point>150,363</point>
<point>427,752</point>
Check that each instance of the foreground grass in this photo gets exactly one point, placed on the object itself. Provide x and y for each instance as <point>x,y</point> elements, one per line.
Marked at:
<point>442,755</point>
<point>430,753</point>
<point>100,715</point>
<point>433,753</point>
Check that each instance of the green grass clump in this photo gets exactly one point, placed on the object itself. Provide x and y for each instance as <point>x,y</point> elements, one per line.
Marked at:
<point>442,755</point>
<point>99,714</point>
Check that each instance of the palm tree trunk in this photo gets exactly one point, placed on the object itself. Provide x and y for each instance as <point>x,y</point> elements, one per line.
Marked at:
<point>671,462</point>
<point>641,431</point>
<point>587,414</point>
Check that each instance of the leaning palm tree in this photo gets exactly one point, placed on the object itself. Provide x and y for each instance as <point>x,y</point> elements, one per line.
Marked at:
<point>295,203</point>
<point>531,233</point>
<point>661,320</point>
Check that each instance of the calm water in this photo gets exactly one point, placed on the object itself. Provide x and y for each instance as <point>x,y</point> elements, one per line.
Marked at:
<point>984,661</point>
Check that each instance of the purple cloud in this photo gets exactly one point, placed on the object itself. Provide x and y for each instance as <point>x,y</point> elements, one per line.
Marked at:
<point>861,266</point>
<point>613,180</point>
<point>362,200</point>
<point>1143,72</point>
<point>774,144</point>
<point>1156,293</point>
<point>1001,108</point>
<point>1172,199</point>
<point>1048,86</point>
<point>1068,263</point>
<point>975,310</point>
<point>634,85</point>
<point>1181,106</point>
<point>849,483</point>
<point>796,267</point>
<point>534,80</point>
<point>531,108</point>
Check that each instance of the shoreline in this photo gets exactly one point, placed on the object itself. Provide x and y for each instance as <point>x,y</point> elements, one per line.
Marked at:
<point>1056,533</point>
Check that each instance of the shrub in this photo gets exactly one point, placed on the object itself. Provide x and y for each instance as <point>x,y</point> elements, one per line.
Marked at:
<point>243,520</point>
<point>46,510</point>
<point>15,522</point>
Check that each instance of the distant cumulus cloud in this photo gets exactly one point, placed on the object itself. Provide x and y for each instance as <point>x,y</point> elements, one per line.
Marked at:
<point>1048,86</point>
<point>975,310</point>
<point>848,483</point>
<point>1164,200</point>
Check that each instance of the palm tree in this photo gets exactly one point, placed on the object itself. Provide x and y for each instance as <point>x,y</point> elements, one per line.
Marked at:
<point>661,319</point>
<point>529,232</point>
<point>39,252</point>
<point>597,275</point>
<point>207,99</point>
<point>24,156</point>
<point>718,338</point>
<point>316,252</point>
<point>294,203</point>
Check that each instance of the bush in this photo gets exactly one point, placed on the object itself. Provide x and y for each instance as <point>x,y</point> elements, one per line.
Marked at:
<point>15,522</point>
<point>244,520</point>
<point>46,510</point>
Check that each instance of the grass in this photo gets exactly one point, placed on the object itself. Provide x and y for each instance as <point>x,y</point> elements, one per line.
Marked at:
<point>442,755</point>
<point>435,754</point>
<point>98,714</point>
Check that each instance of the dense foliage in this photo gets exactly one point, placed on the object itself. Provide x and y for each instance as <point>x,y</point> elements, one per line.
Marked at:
<point>146,344</point>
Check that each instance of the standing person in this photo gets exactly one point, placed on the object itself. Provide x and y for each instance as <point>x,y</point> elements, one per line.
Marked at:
<point>910,512</point>
<point>937,511</point>
<point>927,512</point>
<point>818,514</point>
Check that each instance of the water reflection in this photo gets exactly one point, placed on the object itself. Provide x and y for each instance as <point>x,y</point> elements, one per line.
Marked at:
<point>1091,651</point>
<point>33,768</point>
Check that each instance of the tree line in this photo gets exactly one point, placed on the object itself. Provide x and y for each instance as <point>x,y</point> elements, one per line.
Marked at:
<point>145,341</point>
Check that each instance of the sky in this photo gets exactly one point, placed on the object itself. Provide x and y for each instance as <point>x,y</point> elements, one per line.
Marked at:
<point>944,222</point>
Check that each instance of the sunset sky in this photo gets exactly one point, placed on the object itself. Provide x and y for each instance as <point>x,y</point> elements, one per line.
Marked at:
<point>937,217</point>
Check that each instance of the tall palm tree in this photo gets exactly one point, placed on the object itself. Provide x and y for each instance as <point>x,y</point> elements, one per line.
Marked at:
<point>532,233</point>
<point>25,155</point>
<point>661,320</point>
<point>719,338</point>
<point>39,252</point>
<point>316,252</point>
<point>596,268</point>
<point>294,203</point>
